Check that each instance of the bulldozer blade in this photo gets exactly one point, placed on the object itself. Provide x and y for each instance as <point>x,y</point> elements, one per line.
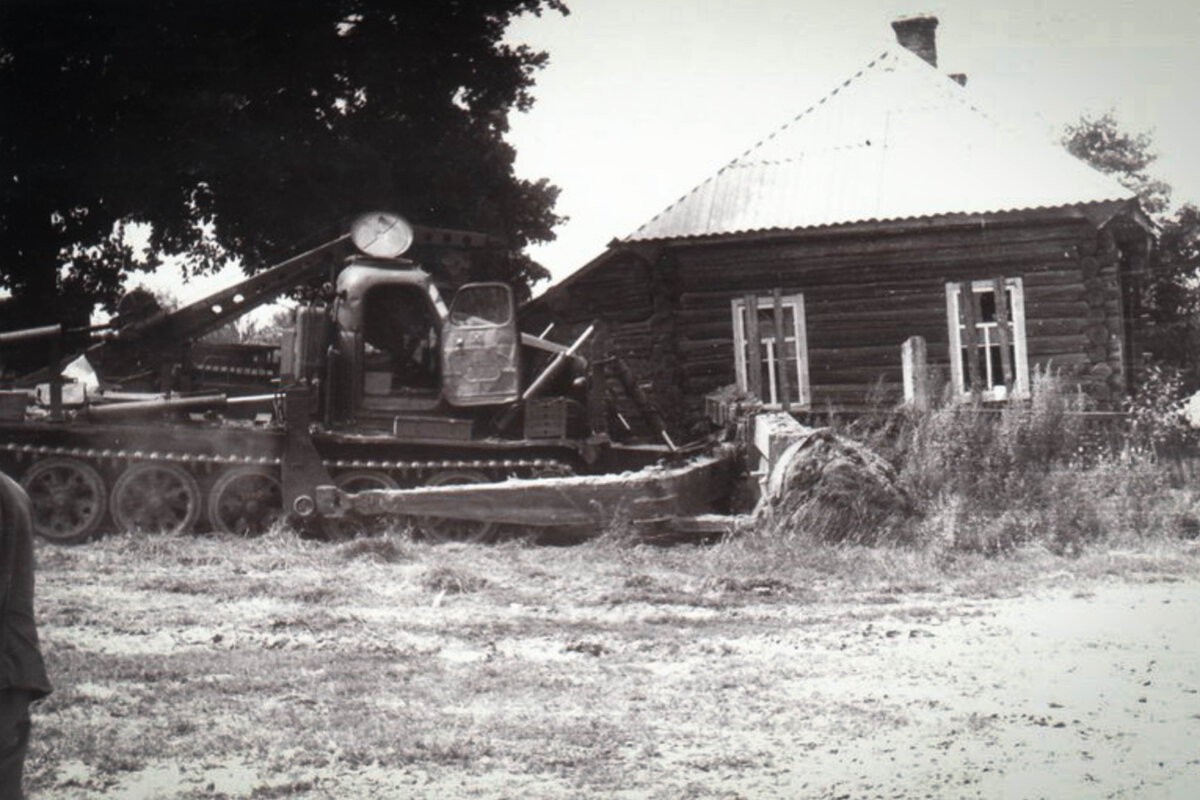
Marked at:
<point>654,493</point>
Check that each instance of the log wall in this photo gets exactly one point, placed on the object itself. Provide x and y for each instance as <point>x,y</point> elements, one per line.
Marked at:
<point>864,294</point>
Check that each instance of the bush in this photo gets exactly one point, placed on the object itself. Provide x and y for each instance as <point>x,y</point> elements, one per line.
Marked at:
<point>1157,422</point>
<point>989,479</point>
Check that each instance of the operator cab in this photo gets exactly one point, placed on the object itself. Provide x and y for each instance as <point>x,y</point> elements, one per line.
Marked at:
<point>389,322</point>
<point>401,351</point>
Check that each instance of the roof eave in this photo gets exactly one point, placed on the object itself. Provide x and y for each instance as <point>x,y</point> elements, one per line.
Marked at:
<point>1098,212</point>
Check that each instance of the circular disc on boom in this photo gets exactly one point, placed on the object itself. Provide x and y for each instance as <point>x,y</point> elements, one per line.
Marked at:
<point>381,234</point>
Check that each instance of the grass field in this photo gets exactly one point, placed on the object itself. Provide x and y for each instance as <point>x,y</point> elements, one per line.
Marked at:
<point>280,668</point>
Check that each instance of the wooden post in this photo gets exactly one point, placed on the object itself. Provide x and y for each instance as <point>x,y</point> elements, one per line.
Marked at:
<point>781,352</point>
<point>753,349</point>
<point>1002,327</point>
<point>914,357</point>
<point>966,305</point>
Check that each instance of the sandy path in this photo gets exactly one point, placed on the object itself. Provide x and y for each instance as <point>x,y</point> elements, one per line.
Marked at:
<point>1091,695</point>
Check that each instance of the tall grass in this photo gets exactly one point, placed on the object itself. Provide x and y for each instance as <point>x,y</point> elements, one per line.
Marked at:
<point>1040,471</point>
<point>1035,471</point>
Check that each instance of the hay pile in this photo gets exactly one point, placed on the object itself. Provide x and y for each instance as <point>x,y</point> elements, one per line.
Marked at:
<point>834,489</point>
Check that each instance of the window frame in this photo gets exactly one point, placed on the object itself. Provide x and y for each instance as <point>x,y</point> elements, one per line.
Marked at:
<point>799,335</point>
<point>1016,312</point>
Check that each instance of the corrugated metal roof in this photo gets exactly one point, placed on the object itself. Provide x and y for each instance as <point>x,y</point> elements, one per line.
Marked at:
<point>899,140</point>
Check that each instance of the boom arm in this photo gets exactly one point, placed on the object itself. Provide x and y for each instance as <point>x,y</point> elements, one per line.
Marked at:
<point>206,315</point>
<point>165,330</point>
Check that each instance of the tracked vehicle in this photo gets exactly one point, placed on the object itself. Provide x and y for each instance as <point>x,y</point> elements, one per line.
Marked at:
<point>385,381</point>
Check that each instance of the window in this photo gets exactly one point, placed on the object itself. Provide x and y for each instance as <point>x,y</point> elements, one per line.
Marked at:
<point>771,363</point>
<point>482,304</point>
<point>987,338</point>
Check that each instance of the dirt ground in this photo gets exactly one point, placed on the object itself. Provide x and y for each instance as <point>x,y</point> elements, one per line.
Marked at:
<point>195,668</point>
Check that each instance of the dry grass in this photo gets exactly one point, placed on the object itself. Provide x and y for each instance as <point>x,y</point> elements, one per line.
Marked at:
<point>279,667</point>
<point>1032,473</point>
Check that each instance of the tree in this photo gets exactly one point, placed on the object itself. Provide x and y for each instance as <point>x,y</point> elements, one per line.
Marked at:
<point>252,129</point>
<point>1171,296</point>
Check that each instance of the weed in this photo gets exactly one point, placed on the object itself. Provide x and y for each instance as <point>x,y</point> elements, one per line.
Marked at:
<point>595,649</point>
<point>387,549</point>
<point>313,595</point>
<point>451,580</point>
<point>758,586</point>
<point>619,532</point>
<point>290,789</point>
<point>640,581</point>
<point>183,727</point>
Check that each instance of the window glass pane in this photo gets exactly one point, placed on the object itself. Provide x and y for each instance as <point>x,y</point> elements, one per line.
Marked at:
<point>481,305</point>
<point>987,306</point>
<point>793,377</point>
<point>997,373</point>
<point>981,355</point>
<point>766,322</point>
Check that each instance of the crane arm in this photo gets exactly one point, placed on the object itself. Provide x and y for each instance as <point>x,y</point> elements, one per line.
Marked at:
<point>206,315</point>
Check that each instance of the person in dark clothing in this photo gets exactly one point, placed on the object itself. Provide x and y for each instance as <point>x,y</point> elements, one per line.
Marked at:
<point>22,671</point>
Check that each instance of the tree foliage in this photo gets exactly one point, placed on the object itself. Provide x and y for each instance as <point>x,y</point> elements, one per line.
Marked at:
<point>252,129</point>
<point>1171,298</point>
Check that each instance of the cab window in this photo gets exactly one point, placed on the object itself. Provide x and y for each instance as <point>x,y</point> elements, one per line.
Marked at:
<point>482,304</point>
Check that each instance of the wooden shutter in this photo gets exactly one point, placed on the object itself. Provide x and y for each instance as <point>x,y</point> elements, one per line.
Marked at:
<point>753,348</point>
<point>999,286</point>
<point>781,353</point>
<point>969,310</point>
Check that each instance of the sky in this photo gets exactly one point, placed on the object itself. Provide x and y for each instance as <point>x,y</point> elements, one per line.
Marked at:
<point>644,99</point>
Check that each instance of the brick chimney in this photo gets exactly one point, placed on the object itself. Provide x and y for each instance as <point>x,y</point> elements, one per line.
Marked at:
<point>918,34</point>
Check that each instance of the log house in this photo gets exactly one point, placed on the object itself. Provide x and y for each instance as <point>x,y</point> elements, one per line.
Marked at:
<point>892,208</point>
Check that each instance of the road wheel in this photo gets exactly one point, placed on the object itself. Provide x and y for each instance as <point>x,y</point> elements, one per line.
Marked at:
<point>438,529</point>
<point>364,480</point>
<point>155,498</point>
<point>245,501</point>
<point>68,499</point>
